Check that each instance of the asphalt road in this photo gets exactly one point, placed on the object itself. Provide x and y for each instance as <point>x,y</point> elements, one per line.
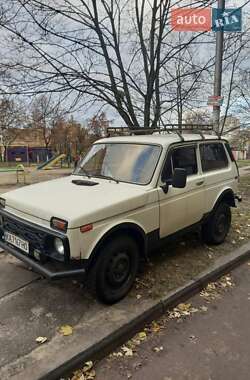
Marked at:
<point>212,345</point>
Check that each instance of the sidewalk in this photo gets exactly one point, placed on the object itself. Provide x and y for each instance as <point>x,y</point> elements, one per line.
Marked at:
<point>209,344</point>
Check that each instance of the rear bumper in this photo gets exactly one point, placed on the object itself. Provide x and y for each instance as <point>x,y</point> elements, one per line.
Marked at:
<point>40,268</point>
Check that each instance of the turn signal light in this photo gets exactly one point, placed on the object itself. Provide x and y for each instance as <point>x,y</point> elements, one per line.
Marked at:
<point>59,224</point>
<point>86,228</point>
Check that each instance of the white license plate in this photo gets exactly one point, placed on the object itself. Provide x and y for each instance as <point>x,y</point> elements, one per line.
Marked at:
<point>16,241</point>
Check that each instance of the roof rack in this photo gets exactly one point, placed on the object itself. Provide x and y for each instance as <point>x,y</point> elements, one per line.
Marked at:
<point>169,128</point>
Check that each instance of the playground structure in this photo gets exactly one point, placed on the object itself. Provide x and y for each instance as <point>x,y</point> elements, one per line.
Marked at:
<point>18,170</point>
<point>48,165</point>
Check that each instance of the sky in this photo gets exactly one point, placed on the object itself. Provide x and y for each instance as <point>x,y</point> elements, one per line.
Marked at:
<point>203,50</point>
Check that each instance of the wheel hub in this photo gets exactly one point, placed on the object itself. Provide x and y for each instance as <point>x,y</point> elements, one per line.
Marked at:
<point>119,269</point>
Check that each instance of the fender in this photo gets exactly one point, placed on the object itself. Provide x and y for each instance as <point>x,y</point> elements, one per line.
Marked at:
<point>227,196</point>
<point>134,229</point>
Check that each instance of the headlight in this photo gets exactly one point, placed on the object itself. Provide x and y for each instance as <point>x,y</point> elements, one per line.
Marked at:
<point>2,202</point>
<point>58,244</point>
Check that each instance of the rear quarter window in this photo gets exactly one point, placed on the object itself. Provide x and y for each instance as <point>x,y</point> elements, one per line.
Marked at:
<point>213,156</point>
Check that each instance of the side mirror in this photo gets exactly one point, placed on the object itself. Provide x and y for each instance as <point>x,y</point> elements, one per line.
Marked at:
<point>179,179</point>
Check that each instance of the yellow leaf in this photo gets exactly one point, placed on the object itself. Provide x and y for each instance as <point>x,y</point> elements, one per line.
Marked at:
<point>90,375</point>
<point>142,335</point>
<point>66,330</point>
<point>41,339</point>
<point>155,327</point>
<point>87,366</point>
<point>184,306</point>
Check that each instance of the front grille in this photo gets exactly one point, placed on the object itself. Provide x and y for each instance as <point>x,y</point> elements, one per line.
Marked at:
<point>35,237</point>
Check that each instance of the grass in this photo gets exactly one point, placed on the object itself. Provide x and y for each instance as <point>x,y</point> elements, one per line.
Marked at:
<point>242,163</point>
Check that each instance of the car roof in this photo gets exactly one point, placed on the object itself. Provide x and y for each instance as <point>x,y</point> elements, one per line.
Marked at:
<point>164,139</point>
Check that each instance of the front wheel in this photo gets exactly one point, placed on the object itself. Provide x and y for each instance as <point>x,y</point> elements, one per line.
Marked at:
<point>115,269</point>
<point>215,230</point>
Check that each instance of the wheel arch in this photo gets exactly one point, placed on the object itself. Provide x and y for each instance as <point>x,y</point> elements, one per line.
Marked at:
<point>226,196</point>
<point>131,228</point>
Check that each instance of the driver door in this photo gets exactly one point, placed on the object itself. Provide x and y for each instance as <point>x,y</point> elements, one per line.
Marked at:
<point>180,208</point>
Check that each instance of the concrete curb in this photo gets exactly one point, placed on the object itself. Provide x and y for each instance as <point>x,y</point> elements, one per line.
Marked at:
<point>122,334</point>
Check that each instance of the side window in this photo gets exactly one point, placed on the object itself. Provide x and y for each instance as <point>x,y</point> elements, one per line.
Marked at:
<point>213,157</point>
<point>183,157</point>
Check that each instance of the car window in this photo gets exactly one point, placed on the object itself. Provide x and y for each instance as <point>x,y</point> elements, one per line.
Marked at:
<point>184,158</point>
<point>213,156</point>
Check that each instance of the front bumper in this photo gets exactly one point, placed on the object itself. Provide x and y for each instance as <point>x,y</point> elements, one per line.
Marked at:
<point>40,268</point>
<point>39,238</point>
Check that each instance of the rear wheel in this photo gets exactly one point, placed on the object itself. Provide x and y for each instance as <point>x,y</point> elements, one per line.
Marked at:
<point>115,269</point>
<point>215,230</point>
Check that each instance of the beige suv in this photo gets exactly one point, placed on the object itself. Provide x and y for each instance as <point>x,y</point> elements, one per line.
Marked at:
<point>127,194</point>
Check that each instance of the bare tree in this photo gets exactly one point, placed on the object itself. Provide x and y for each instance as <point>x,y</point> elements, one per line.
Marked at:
<point>108,51</point>
<point>97,126</point>
<point>115,52</point>
<point>44,115</point>
<point>11,120</point>
<point>197,117</point>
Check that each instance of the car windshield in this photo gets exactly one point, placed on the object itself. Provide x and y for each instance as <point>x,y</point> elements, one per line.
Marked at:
<point>134,163</point>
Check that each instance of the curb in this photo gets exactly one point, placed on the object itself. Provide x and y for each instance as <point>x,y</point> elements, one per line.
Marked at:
<point>173,298</point>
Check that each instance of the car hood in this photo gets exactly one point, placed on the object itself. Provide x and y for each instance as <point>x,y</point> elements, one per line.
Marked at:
<point>78,205</point>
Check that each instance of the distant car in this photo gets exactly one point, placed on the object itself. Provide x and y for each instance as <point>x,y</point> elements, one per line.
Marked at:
<point>125,196</point>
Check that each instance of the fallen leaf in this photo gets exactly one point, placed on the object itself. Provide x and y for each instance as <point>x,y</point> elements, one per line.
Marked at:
<point>78,375</point>
<point>66,330</point>
<point>118,354</point>
<point>158,349</point>
<point>184,306</point>
<point>204,308</point>
<point>138,296</point>
<point>193,338</point>
<point>142,335</point>
<point>41,339</point>
<point>87,366</point>
<point>127,351</point>
<point>155,327</point>
<point>90,375</point>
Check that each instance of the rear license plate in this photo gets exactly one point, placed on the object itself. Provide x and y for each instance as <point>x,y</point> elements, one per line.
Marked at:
<point>16,241</point>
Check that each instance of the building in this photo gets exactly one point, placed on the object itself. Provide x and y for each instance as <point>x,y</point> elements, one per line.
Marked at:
<point>27,147</point>
<point>239,137</point>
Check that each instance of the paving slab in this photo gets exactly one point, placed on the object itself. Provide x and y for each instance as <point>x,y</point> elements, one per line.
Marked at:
<point>14,276</point>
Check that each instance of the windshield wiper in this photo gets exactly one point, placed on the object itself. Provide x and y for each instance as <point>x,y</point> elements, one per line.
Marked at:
<point>106,177</point>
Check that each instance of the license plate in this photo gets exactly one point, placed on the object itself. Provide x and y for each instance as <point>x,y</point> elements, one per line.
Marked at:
<point>16,241</point>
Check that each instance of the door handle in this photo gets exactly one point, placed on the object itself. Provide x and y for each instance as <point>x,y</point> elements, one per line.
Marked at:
<point>200,183</point>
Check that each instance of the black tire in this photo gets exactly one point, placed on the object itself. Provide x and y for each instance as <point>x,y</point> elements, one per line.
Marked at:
<point>215,230</point>
<point>115,270</point>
